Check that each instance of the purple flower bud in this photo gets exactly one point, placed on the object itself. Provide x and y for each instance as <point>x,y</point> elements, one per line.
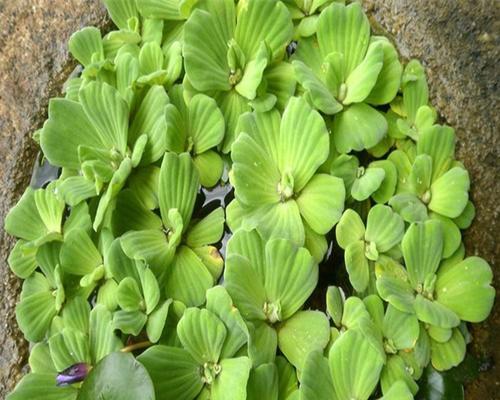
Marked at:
<point>75,373</point>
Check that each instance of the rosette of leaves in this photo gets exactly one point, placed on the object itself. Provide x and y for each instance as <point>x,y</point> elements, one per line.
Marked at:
<point>92,136</point>
<point>80,337</point>
<point>196,128</point>
<point>239,63</point>
<point>435,293</point>
<point>178,250</point>
<point>431,185</point>
<point>277,186</point>
<point>411,113</point>
<point>207,362</point>
<point>305,14</point>
<point>345,72</point>
<point>269,281</point>
<point>378,180</point>
<point>364,245</point>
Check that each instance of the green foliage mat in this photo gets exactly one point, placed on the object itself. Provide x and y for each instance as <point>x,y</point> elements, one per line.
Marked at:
<point>146,276</point>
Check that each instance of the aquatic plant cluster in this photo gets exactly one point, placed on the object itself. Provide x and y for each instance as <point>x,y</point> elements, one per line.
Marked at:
<point>321,130</point>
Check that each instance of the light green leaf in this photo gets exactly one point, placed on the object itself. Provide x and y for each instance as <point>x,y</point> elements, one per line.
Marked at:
<point>232,105</point>
<point>398,391</point>
<point>321,202</point>
<point>358,127</point>
<point>157,320</point>
<point>231,383</point>
<point>410,207</point>
<point>252,75</point>
<point>350,228</point>
<point>301,155</point>
<point>395,371</point>
<point>262,343</point>
<point>22,261</point>
<point>178,186</point>
<point>23,220</point>
<point>289,290</point>
<point>162,9</point>
<point>432,312</point>
<point>438,142</point>
<point>79,254</point>
<point>175,374</point>
<point>41,386</point>
<point>101,332</point>
<point>450,354</point>
<point>151,290</point>
<point>355,365</point>
<point>422,247</point>
<point>388,185</point>
<point>121,11</point>
<point>108,112</point>
<point>75,189</point>
<point>129,295</point>
<point>187,278</point>
<point>401,328</point>
<point>357,265</point>
<point>368,183</point>
<point>384,227</point>
<point>303,333</point>
<point>469,279</point>
<point>34,314</point>
<point>415,91</point>
<point>450,193</point>
<point>86,45</point>
<point>210,167</point>
<point>207,231</point>
<point>263,383</point>
<point>129,322</point>
<point>316,379</point>
<point>206,123</point>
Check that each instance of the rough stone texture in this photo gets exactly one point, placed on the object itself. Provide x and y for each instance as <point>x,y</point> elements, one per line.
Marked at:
<point>33,65</point>
<point>457,40</point>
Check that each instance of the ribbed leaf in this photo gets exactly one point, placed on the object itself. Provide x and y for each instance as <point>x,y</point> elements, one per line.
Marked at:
<point>210,167</point>
<point>384,227</point>
<point>23,220</point>
<point>187,278</point>
<point>75,189</point>
<point>415,91</point>
<point>367,184</point>
<point>34,314</point>
<point>120,266</point>
<point>345,30</point>
<point>449,354</point>
<point>438,142</point>
<point>398,391</point>
<point>120,11</point>
<point>450,193</point>
<point>86,45</point>
<point>67,128</point>
<point>401,328</point>
<point>79,255</point>
<point>396,292</point>
<point>41,386</point>
<point>358,127</point>
<point>101,332</point>
<point>206,123</point>
<point>291,276</point>
<point>469,279</point>
<point>301,155</point>
<point>202,334</point>
<point>432,312</point>
<point>262,343</point>
<point>22,261</point>
<point>178,186</point>
<point>305,332</point>
<point>207,231</point>
<point>232,105</point>
<point>175,374</point>
<point>357,265</point>
<point>321,202</point>
<point>108,112</point>
<point>422,247</point>
<point>231,383</point>
<point>395,371</point>
<point>263,383</point>
<point>350,228</point>
<point>281,220</point>
<point>388,185</point>
<point>129,295</point>
<point>355,366</point>
<point>316,379</point>
<point>162,9</point>
<point>157,320</point>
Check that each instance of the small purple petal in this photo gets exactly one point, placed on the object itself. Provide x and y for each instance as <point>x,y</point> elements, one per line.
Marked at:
<point>75,373</point>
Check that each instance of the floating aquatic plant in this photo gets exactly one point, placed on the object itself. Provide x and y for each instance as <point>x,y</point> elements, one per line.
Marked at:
<point>137,286</point>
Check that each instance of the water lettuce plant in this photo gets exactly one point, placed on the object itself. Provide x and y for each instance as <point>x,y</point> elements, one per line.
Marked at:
<point>221,166</point>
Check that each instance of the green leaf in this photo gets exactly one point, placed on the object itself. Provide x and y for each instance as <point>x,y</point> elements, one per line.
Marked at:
<point>398,391</point>
<point>316,379</point>
<point>162,9</point>
<point>22,261</point>
<point>206,63</point>
<point>396,292</point>
<point>129,295</point>
<point>245,286</point>
<point>232,105</point>
<point>157,320</point>
<point>415,91</point>
<point>355,365</point>
<point>438,142</point>
<point>358,127</point>
<point>344,30</point>
<point>401,328</point>
<point>350,228</point>
<point>120,266</point>
<point>34,314</point>
<point>384,227</point>
<point>367,184</point>
<point>206,123</point>
<point>210,167</point>
<point>108,112</point>
<point>422,247</point>
<point>263,383</point>
<point>106,379</point>
<point>23,220</point>
<point>321,202</point>
<point>219,303</point>
<point>67,128</point>
<point>178,186</point>
<point>41,386</point>
<point>301,155</point>
<point>262,343</point>
<point>129,322</point>
<point>335,303</point>
<point>231,383</point>
<point>357,265</point>
<point>469,279</point>
<point>410,207</point>
<point>101,332</point>
<point>252,75</point>
<point>175,374</point>
<point>303,333</point>
<point>319,93</point>
<point>121,11</point>
<point>187,278</point>
<point>434,313</point>
<point>207,231</point>
<point>150,289</point>
<point>389,78</point>
<point>447,355</point>
<point>450,193</point>
<point>68,347</point>
<point>388,185</point>
<point>79,254</point>
<point>40,360</point>
<point>75,189</point>
<point>292,289</point>
<point>86,45</point>
<point>362,79</point>
<point>202,334</point>
<point>395,370</point>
